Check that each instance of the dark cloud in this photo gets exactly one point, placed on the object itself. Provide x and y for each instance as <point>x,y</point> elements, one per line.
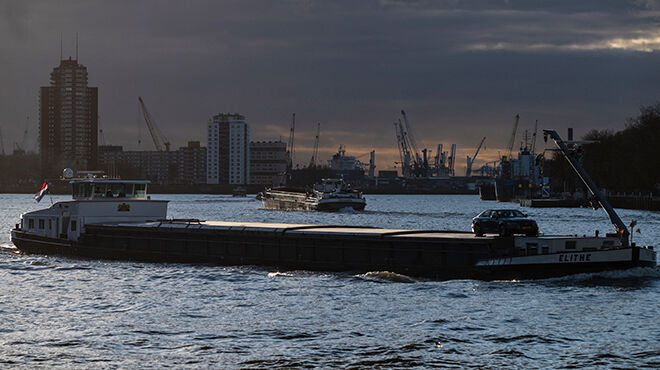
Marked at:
<point>461,70</point>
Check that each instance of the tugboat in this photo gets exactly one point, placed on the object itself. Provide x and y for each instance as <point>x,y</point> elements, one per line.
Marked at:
<point>328,195</point>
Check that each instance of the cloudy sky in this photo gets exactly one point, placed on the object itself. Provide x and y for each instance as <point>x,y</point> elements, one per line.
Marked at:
<point>460,69</point>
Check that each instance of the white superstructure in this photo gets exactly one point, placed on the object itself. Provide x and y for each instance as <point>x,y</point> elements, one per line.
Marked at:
<point>94,201</point>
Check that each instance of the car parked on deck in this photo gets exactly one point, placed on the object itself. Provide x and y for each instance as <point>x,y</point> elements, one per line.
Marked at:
<point>504,222</point>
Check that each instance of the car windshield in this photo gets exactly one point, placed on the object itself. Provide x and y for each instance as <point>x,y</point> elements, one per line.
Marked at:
<point>510,213</point>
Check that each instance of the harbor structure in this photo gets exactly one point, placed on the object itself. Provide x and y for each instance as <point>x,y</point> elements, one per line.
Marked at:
<point>68,120</point>
<point>228,154</point>
<point>268,163</point>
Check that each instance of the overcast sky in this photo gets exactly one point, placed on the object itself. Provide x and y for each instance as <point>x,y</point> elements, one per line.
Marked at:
<point>460,69</point>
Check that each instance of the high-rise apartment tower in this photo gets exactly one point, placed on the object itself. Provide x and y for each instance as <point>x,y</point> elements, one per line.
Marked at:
<point>227,150</point>
<point>68,120</point>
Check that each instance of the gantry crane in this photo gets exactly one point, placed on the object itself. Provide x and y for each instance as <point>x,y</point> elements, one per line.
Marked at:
<point>470,161</point>
<point>156,134</point>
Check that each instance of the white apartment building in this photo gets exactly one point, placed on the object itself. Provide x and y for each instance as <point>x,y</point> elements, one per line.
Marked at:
<point>228,154</point>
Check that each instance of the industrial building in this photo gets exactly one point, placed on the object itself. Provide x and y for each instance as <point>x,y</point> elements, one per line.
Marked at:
<point>228,154</point>
<point>268,162</point>
<point>68,120</point>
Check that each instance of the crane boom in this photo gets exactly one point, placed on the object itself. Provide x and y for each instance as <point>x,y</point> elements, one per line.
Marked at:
<point>536,129</point>
<point>289,146</point>
<point>468,169</point>
<point>315,152</point>
<point>409,135</point>
<point>513,137</point>
<point>156,135</point>
<point>619,226</point>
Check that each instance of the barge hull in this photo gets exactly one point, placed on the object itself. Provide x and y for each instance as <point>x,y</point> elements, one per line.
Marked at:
<point>436,255</point>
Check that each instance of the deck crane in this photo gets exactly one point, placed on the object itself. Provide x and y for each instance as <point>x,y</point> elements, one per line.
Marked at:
<point>315,152</point>
<point>513,138</point>
<point>156,134</point>
<point>470,161</point>
<point>289,146</point>
<point>597,195</point>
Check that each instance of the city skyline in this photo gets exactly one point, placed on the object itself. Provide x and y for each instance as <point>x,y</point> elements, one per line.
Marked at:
<point>461,70</point>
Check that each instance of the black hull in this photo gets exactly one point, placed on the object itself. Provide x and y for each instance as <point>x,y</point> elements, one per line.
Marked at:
<point>450,259</point>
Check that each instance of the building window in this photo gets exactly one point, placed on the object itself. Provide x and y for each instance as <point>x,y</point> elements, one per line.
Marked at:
<point>30,223</point>
<point>41,223</point>
<point>73,225</point>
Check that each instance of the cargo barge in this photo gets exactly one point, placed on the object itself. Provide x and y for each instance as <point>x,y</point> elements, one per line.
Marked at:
<point>426,253</point>
<point>330,195</point>
<point>116,219</point>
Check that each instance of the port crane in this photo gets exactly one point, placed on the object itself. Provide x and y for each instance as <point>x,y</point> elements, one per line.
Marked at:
<point>22,147</point>
<point>536,129</point>
<point>512,140</point>
<point>470,161</point>
<point>597,195</point>
<point>156,134</point>
<point>315,152</point>
<point>404,151</point>
<point>289,145</point>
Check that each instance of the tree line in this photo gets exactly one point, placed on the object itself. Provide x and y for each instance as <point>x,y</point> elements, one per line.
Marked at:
<point>622,161</point>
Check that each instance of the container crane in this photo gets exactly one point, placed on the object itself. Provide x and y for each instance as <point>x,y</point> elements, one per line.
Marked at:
<point>289,145</point>
<point>315,152</point>
<point>156,134</point>
<point>470,161</point>
<point>513,138</point>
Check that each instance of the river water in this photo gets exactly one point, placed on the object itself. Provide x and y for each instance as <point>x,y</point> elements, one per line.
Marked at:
<point>62,312</point>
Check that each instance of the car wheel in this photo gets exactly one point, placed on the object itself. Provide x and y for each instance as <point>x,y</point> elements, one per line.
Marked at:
<point>478,231</point>
<point>503,231</point>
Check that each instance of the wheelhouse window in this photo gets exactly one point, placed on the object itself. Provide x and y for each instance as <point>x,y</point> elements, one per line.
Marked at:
<point>82,190</point>
<point>140,190</point>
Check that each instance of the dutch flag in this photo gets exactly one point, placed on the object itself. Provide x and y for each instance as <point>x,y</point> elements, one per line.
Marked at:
<point>42,192</point>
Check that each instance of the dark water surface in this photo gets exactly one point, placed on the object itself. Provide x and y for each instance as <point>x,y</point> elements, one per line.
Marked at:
<point>64,312</point>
